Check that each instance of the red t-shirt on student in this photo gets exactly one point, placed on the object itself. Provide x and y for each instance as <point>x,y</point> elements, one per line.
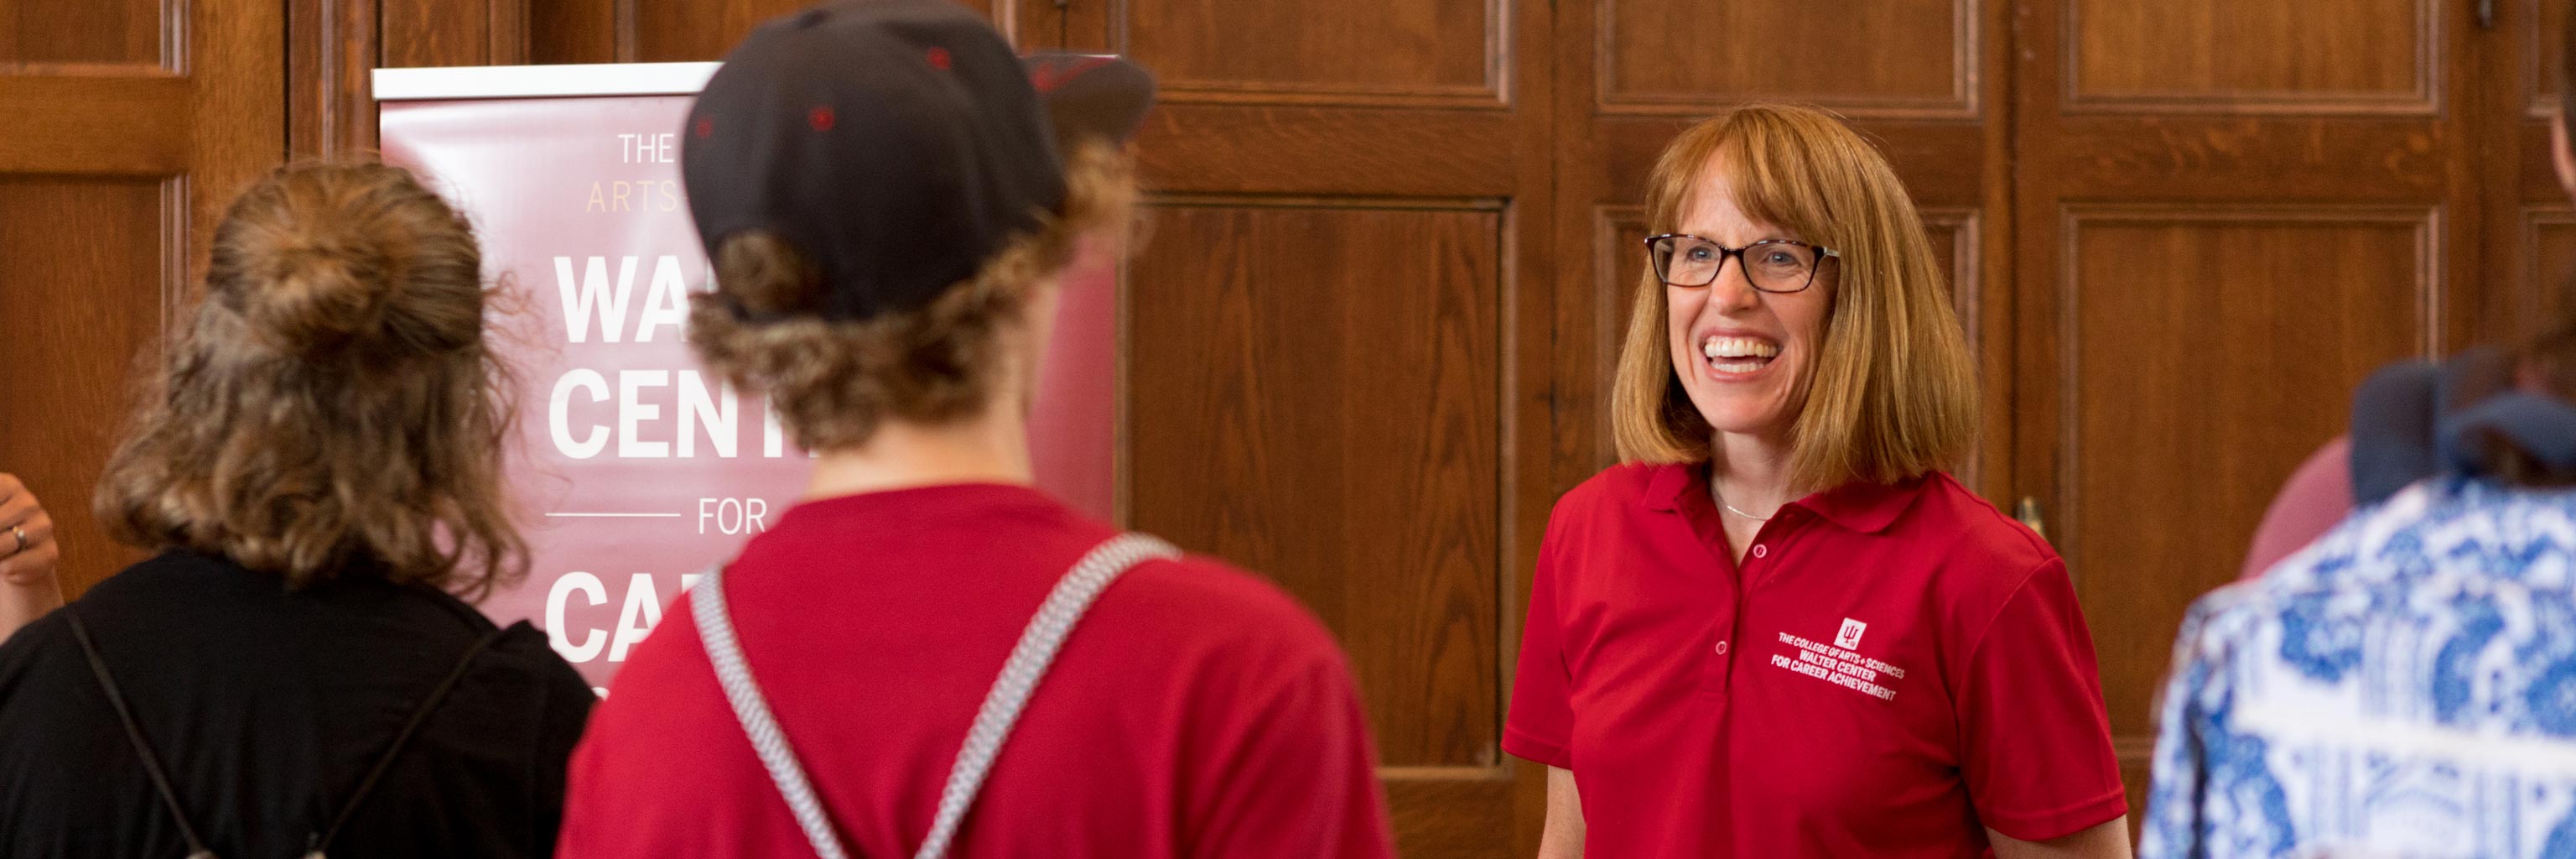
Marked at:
<point>1892,670</point>
<point>1196,711</point>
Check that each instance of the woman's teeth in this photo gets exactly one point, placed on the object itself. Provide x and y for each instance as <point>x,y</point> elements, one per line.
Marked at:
<point>1740,347</point>
<point>1739,354</point>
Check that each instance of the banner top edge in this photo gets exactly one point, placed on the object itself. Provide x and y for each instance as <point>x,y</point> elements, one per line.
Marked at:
<point>555,81</point>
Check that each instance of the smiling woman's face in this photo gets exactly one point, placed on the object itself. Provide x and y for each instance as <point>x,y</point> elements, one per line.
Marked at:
<point>1743,355</point>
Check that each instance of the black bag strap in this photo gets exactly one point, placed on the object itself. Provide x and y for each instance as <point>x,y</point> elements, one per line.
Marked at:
<point>317,842</point>
<point>134,734</point>
<point>418,716</point>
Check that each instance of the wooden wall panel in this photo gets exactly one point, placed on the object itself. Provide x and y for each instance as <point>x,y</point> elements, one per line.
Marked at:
<point>1619,260</point>
<point>1312,394</point>
<point>82,311</point>
<point>696,30</point>
<point>120,124</point>
<point>2530,251</point>
<point>1890,57</point>
<point>2543,47</point>
<point>332,47</point>
<point>1323,151</point>
<point>452,32</point>
<point>2203,353</point>
<point>335,44</point>
<point>1958,243</point>
<point>654,31</point>
<point>2225,215</point>
<point>2548,286</point>
<point>1953,232</point>
<point>2189,56</point>
<point>121,32</point>
<point>1355,222</point>
<point>1431,50</point>
<point>111,179</point>
<point>581,31</point>
<point>433,33</point>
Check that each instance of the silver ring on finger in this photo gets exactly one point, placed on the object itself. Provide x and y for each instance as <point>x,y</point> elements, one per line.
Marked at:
<point>21,535</point>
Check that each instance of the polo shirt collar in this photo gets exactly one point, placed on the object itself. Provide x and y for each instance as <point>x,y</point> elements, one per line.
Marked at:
<point>1866,507</point>
<point>1673,481</point>
<point>1862,506</point>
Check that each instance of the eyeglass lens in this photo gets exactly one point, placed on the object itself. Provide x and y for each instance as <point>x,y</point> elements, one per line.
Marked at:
<point>1773,266</point>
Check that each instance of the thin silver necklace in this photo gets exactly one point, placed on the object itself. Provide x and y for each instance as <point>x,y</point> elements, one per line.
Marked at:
<point>1730,508</point>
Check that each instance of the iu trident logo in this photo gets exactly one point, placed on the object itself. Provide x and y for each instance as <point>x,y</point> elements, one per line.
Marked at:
<point>1849,638</point>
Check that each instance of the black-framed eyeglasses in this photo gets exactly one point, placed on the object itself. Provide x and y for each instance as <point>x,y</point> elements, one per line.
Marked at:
<point>1775,265</point>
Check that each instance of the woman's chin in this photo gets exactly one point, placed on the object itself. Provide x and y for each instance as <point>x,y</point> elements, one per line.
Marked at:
<point>1747,419</point>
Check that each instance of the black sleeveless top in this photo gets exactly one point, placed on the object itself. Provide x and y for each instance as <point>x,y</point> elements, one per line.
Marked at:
<point>267,707</point>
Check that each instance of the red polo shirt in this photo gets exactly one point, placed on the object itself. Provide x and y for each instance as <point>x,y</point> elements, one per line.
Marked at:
<point>1196,711</point>
<point>1892,670</point>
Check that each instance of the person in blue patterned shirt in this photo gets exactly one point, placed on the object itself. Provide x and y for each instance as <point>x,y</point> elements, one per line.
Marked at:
<point>2406,685</point>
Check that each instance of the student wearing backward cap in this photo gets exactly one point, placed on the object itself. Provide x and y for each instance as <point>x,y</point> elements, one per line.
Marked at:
<point>927,656</point>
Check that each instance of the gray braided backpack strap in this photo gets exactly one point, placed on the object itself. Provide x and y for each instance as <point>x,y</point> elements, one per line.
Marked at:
<point>1020,674</point>
<point>715,628</point>
<point>1028,663</point>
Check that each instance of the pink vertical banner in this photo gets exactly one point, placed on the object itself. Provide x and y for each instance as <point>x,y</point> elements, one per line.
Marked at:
<point>635,468</point>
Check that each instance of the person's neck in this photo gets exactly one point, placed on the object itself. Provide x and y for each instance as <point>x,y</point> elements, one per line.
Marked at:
<point>992,448</point>
<point>1751,473</point>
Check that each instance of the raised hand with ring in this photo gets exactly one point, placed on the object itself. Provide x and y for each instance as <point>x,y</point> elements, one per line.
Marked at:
<point>32,553</point>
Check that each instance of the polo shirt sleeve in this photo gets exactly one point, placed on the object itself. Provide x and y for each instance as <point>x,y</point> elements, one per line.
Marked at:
<point>1540,723</point>
<point>1295,775</point>
<point>2036,738</point>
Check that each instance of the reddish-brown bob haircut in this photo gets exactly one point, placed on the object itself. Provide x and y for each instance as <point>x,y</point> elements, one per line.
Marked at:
<point>1893,391</point>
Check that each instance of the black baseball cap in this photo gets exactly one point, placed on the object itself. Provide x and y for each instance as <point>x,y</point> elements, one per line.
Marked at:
<point>898,143</point>
<point>2392,429</point>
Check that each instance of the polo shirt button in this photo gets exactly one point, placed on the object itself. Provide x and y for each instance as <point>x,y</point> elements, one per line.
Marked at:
<point>1721,648</point>
<point>1759,550</point>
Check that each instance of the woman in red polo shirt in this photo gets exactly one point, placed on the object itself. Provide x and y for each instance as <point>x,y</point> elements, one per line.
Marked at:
<point>1778,628</point>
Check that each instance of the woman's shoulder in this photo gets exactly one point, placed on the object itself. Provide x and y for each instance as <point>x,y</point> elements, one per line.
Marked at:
<point>1981,549</point>
<point>1608,504</point>
<point>1966,529</point>
<point>174,573</point>
<point>1618,488</point>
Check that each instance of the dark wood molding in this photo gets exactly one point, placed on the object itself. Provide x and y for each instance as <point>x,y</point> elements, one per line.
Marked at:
<point>331,48</point>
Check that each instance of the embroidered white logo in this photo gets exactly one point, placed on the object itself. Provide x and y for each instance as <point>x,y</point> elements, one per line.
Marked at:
<point>1840,664</point>
<point>1849,638</point>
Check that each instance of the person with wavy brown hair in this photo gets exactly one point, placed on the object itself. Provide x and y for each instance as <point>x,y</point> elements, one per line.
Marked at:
<point>317,466</point>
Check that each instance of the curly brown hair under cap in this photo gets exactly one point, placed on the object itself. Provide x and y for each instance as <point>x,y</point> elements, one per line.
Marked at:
<point>330,408</point>
<point>2544,361</point>
<point>835,383</point>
